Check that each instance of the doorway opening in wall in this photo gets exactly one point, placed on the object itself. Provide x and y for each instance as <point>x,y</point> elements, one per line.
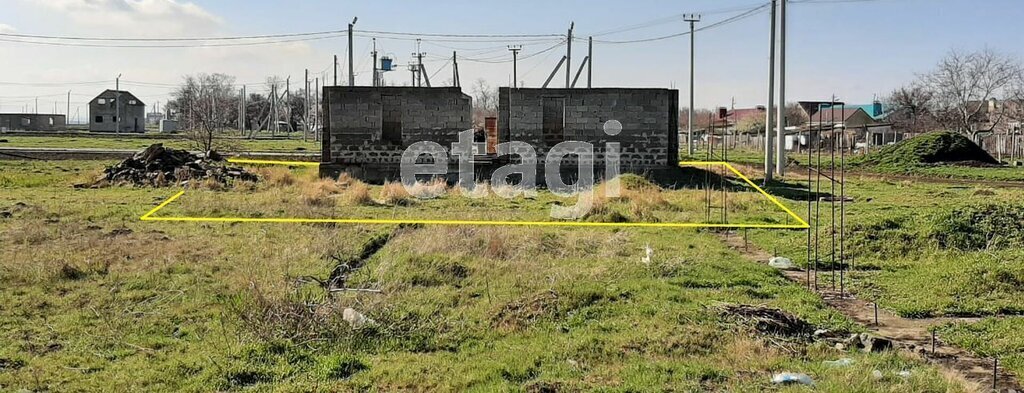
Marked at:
<point>391,120</point>
<point>553,109</point>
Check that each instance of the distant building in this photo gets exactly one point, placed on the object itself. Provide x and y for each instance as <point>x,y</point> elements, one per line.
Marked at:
<point>106,107</point>
<point>32,122</point>
<point>153,118</point>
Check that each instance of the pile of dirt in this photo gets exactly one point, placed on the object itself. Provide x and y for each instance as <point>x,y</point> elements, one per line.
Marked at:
<point>931,149</point>
<point>161,166</point>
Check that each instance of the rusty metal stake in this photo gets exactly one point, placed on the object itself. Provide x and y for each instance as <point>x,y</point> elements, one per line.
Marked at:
<point>995,373</point>
<point>876,313</point>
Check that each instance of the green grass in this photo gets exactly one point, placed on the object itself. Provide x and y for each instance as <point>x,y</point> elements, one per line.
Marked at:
<point>95,299</point>
<point>130,143</point>
<point>1001,338</point>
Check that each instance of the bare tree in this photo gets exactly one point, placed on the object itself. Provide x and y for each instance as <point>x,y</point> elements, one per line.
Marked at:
<point>485,101</point>
<point>910,109</point>
<point>207,104</point>
<point>963,83</point>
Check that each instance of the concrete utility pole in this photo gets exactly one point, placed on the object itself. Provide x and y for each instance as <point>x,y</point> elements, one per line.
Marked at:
<point>351,65</point>
<point>568,57</point>
<point>455,69</point>
<point>68,112</point>
<point>305,119</point>
<point>245,110</point>
<point>590,62</point>
<point>374,62</point>
<point>692,18</point>
<point>419,65</point>
<point>515,60</point>
<point>335,70</point>
<point>117,103</point>
<point>780,153</point>
<point>769,124</point>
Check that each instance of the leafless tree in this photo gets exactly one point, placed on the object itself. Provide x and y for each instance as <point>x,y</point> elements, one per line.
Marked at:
<point>962,84</point>
<point>207,104</point>
<point>485,101</point>
<point>910,109</point>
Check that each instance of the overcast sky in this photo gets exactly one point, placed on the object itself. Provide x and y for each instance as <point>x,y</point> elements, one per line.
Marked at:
<point>855,49</point>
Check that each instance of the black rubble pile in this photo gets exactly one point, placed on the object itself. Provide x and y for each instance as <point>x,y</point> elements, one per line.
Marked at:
<point>160,166</point>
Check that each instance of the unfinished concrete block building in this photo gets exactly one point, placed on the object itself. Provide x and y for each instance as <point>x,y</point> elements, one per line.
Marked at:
<point>649,118</point>
<point>366,129</point>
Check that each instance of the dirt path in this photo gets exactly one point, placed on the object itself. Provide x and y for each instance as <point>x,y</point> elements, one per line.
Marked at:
<point>911,335</point>
<point>792,169</point>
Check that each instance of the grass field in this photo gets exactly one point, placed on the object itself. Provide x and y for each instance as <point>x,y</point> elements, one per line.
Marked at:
<point>129,143</point>
<point>95,299</point>
<point>927,250</point>
<point>1006,173</point>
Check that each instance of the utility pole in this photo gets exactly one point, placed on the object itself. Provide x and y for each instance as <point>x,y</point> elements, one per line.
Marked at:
<point>769,123</point>
<point>780,153</point>
<point>568,56</point>
<point>351,65</point>
<point>515,63</point>
<point>245,110</point>
<point>68,112</point>
<point>305,118</point>
<point>374,62</point>
<point>117,103</point>
<point>419,64</point>
<point>692,18</point>
<point>455,69</point>
<point>288,103</point>
<point>335,70</point>
<point>590,62</point>
<point>316,102</point>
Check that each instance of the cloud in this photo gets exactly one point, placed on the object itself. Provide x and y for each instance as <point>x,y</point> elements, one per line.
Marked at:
<point>137,17</point>
<point>6,28</point>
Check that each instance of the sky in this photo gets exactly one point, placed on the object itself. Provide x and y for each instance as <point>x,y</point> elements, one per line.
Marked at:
<point>855,49</point>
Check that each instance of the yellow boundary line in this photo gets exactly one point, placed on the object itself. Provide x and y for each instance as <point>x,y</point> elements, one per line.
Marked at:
<point>269,162</point>
<point>802,224</point>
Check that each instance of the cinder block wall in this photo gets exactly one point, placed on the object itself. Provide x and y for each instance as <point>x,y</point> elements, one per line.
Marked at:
<point>353,128</point>
<point>650,119</point>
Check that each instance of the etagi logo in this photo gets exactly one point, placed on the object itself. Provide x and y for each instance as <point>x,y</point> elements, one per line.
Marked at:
<point>522,167</point>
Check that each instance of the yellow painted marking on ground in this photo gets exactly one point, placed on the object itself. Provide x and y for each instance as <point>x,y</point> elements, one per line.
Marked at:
<point>803,224</point>
<point>162,204</point>
<point>272,162</point>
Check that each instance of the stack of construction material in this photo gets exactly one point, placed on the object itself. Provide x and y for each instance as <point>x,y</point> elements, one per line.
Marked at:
<point>159,166</point>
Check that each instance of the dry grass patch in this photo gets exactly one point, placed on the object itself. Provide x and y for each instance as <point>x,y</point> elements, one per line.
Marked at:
<point>394,193</point>
<point>319,193</point>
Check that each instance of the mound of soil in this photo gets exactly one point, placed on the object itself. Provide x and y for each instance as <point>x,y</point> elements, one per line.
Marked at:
<point>160,166</point>
<point>932,149</point>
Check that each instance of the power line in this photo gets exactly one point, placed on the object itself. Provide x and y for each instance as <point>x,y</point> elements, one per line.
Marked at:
<point>735,18</point>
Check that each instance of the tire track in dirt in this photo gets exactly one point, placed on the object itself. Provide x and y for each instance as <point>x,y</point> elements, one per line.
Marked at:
<point>910,335</point>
